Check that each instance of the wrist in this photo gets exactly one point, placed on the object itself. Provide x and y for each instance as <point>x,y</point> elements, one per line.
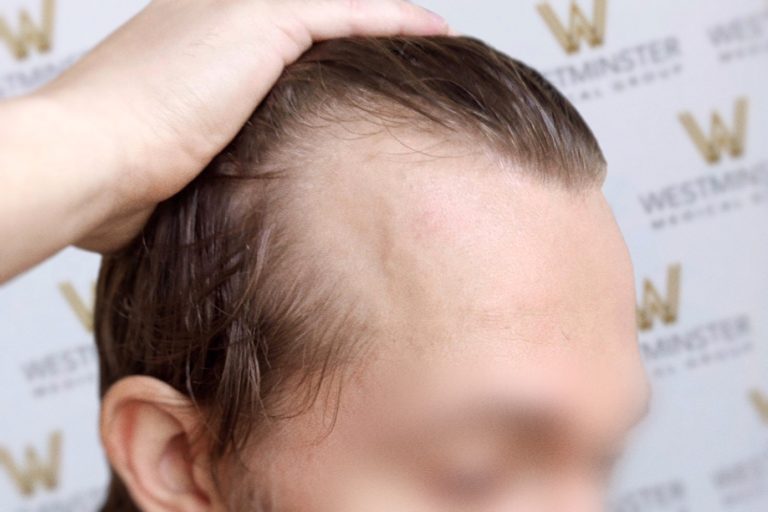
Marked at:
<point>57,160</point>
<point>139,156</point>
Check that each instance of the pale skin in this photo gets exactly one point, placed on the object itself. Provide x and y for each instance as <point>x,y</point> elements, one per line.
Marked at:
<point>509,370</point>
<point>85,159</point>
<point>506,375</point>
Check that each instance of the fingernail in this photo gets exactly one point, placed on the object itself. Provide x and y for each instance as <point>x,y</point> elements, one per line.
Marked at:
<point>436,16</point>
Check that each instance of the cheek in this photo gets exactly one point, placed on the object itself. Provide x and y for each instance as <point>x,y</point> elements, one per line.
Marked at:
<point>322,479</point>
<point>305,466</point>
<point>381,492</point>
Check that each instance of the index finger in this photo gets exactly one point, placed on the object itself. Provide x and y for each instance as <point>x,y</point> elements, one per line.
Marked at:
<point>328,19</point>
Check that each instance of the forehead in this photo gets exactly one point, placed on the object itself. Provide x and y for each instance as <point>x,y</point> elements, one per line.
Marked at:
<point>479,278</point>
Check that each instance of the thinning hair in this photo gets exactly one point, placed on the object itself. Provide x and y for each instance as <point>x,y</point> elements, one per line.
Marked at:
<point>215,296</point>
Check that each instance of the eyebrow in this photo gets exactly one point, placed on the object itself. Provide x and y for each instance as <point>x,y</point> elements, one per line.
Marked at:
<point>534,423</point>
<point>510,417</point>
<point>517,426</point>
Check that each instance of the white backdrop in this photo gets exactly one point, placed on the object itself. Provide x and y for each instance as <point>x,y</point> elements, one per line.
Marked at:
<point>677,93</point>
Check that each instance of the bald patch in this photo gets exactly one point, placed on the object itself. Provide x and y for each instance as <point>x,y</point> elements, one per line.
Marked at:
<point>415,224</point>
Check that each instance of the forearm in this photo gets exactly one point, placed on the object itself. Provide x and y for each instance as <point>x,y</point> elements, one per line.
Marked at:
<point>137,118</point>
<point>53,184</point>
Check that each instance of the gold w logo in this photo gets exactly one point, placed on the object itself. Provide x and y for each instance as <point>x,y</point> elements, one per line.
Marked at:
<point>760,401</point>
<point>29,34</point>
<point>83,312</point>
<point>720,137</point>
<point>35,470</point>
<point>580,27</point>
<point>654,305</point>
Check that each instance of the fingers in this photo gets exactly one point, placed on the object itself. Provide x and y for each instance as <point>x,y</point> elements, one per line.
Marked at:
<point>327,19</point>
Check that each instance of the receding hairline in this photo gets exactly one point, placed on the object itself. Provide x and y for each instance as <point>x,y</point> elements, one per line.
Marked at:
<point>364,165</point>
<point>213,300</point>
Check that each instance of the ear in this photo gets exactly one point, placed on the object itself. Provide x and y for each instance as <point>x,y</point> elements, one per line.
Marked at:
<point>148,430</point>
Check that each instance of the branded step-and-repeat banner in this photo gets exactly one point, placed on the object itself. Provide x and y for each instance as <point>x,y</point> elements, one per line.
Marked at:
<point>677,94</point>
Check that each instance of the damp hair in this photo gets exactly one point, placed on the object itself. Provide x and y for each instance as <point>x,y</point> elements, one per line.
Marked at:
<point>216,298</point>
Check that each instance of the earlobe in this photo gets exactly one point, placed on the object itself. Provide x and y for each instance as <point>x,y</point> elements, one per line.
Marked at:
<point>148,430</point>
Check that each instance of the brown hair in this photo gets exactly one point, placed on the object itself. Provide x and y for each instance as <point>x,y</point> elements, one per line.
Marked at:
<point>216,299</point>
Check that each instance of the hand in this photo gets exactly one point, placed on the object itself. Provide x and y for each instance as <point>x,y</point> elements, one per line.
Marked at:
<point>169,89</point>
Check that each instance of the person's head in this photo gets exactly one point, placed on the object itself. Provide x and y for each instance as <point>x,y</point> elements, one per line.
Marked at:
<point>399,288</point>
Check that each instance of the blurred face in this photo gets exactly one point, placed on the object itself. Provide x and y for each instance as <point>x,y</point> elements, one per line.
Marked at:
<point>506,373</point>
